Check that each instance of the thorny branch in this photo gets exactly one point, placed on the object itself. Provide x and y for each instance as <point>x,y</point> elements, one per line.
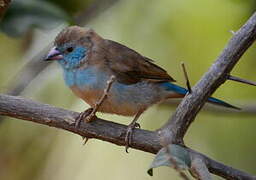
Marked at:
<point>143,140</point>
<point>175,129</point>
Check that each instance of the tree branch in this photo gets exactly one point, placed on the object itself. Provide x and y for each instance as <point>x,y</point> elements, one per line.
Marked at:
<point>199,169</point>
<point>143,140</point>
<point>175,129</point>
<point>18,107</point>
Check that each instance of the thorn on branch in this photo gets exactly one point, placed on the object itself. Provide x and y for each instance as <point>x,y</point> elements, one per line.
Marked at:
<point>186,77</point>
<point>232,32</point>
<point>237,79</point>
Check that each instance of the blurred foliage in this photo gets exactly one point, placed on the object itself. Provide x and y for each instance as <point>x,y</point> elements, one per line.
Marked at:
<point>168,31</point>
<point>72,7</point>
<point>22,15</point>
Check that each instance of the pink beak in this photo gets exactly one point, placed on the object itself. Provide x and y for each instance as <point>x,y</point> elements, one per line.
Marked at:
<point>54,54</point>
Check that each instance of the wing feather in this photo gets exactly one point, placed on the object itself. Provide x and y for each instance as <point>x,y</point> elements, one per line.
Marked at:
<point>131,67</point>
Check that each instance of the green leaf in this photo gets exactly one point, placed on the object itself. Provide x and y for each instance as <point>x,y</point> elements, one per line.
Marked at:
<point>22,15</point>
<point>178,153</point>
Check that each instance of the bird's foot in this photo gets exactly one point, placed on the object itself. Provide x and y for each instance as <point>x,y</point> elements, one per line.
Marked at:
<point>83,116</point>
<point>129,133</point>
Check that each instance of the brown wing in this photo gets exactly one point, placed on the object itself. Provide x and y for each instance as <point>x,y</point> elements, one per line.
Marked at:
<point>131,67</point>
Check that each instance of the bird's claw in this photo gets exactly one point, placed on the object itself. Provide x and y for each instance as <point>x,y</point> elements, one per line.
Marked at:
<point>129,133</point>
<point>82,116</point>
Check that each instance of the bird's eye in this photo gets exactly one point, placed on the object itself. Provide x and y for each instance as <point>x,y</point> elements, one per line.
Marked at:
<point>70,49</point>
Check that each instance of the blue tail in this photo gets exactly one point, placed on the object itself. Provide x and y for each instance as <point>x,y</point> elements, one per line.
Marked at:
<point>180,90</point>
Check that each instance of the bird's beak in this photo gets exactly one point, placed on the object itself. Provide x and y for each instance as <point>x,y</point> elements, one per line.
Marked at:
<point>54,54</point>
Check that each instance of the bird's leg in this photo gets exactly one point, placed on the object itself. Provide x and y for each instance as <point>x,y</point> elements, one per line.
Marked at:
<point>129,131</point>
<point>89,114</point>
<point>101,100</point>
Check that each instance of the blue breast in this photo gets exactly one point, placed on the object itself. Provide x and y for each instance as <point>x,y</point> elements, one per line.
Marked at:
<point>85,78</point>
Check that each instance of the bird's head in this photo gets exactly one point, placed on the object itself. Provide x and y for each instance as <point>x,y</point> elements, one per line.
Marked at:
<point>72,46</point>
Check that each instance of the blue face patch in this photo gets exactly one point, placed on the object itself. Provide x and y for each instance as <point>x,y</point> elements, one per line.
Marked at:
<point>72,56</point>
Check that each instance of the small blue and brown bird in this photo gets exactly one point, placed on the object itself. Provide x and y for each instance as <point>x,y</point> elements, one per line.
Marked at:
<point>88,61</point>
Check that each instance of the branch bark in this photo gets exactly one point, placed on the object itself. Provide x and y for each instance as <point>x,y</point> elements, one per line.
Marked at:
<point>199,169</point>
<point>175,129</point>
<point>143,140</point>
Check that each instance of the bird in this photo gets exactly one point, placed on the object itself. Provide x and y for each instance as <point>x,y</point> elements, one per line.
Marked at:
<point>88,61</point>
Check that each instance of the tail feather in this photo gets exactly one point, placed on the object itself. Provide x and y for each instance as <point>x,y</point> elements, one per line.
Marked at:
<point>221,103</point>
<point>180,90</point>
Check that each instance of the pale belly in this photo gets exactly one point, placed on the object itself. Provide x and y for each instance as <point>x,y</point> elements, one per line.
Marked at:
<point>122,99</point>
<point>108,106</point>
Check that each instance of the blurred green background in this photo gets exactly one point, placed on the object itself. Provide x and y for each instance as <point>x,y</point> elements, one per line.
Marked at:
<point>168,31</point>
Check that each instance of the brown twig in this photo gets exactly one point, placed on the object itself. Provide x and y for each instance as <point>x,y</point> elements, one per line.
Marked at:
<point>143,140</point>
<point>101,100</point>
